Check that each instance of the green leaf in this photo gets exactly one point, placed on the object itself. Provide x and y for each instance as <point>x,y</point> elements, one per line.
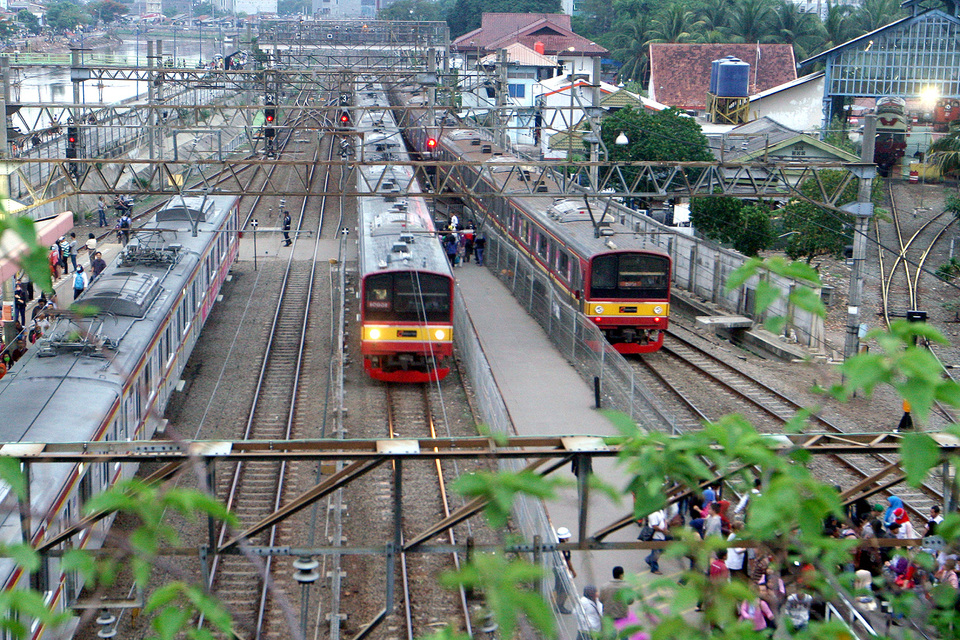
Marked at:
<point>919,453</point>
<point>170,621</point>
<point>808,300</point>
<point>775,324</point>
<point>24,555</point>
<point>767,294</point>
<point>739,276</point>
<point>11,473</point>
<point>82,562</point>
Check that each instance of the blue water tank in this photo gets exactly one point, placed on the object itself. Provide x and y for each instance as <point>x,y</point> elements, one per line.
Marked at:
<point>714,73</point>
<point>733,79</point>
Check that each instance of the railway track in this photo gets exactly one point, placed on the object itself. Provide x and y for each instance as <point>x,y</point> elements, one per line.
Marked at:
<point>684,357</point>
<point>256,489</point>
<point>410,415</point>
<point>918,245</point>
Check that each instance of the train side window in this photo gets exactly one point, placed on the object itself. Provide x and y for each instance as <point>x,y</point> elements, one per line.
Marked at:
<point>543,245</point>
<point>85,488</point>
<point>563,265</point>
<point>524,231</point>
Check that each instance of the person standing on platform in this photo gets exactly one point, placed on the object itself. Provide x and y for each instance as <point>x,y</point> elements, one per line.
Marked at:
<point>64,248</point>
<point>615,596</point>
<point>479,245</point>
<point>123,229</point>
<point>658,522</point>
<point>20,305</point>
<point>79,282</point>
<point>91,245</point>
<point>286,229</point>
<point>101,212</point>
<point>54,259</point>
<point>73,249</point>
<point>97,265</point>
<point>559,584</point>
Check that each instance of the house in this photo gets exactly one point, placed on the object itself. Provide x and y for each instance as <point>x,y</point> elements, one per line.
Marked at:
<point>549,34</point>
<point>797,104</point>
<point>766,140</point>
<point>680,73</point>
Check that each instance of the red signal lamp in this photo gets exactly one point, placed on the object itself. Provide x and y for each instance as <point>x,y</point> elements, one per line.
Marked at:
<point>269,118</point>
<point>431,143</point>
<point>344,118</point>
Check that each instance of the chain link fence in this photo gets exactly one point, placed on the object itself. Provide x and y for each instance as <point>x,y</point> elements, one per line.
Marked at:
<point>529,514</point>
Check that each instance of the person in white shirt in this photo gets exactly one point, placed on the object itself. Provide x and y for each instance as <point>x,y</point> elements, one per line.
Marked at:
<point>658,522</point>
<point>592,621</point>
<point>736,556</point>
<point>745,499</point>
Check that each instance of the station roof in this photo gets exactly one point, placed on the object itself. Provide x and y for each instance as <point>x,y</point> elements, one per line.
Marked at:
<point>498,30</point>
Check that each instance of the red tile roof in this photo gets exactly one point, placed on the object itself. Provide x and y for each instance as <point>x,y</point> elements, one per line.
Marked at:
<point>680,73</point>
<point>498,30</point>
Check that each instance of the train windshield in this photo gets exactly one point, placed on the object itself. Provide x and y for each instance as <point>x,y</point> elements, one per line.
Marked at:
<point>630,275</point>
<point>407,296</point>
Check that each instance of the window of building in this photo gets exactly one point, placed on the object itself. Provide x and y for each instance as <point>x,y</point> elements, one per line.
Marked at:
<point>518,90</point>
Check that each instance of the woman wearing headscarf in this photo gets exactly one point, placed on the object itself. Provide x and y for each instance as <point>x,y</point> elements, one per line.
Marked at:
<point>895,503</point>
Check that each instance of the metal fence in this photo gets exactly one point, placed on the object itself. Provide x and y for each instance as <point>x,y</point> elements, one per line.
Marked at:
<point>576,337</point>
<point>529,514</point>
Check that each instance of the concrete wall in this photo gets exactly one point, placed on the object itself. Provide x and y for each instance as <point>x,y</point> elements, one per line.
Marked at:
<point>800,107</point>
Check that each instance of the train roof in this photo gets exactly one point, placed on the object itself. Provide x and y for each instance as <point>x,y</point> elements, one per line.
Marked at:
<point>133,296</point>
<point>571,220</point>
<point>396,233</point>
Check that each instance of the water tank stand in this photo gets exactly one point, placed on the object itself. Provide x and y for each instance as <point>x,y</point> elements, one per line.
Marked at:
<point>727,110</point>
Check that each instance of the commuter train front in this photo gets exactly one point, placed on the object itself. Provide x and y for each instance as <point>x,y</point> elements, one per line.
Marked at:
<point>108,376</point>
<point>406,309</point>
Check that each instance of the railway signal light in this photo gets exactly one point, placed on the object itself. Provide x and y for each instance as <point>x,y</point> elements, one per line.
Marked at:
<point>344,118</point>
<point>269,132</point>
<point>73,141</point>
<point>431,143</point>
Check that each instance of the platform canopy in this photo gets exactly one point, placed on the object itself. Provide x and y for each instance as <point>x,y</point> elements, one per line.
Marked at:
<point>914,57</point>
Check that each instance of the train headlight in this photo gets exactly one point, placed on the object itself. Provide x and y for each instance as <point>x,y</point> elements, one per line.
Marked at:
<point>598,309</point>
<point>374,334</point>
<point>658,310</point>
<point>439,334</point>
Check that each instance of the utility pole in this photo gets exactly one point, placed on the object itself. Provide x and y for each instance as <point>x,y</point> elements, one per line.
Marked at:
<point>862,209</point>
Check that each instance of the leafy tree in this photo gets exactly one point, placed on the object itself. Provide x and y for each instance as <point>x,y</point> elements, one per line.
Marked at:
<point>716,217</point>
<point>818,230</point>
<point>755,231</point>
<point>631,48</point>
<point>873,14</point>
<point>654,137</point>
<point>752,21</point>
<point>802,30</point>
<point>65,16</point>
<point>715,16</point>
<point>110,10</point>
<point>945,152</point>
<point>675,23</point>
<point>29,21</point>
<point>204,9</point>
<point>417,10</point>
<point>838,25</point>
<point>294,7</point>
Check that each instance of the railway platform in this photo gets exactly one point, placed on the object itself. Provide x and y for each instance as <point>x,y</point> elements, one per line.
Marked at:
<point>546,396</point>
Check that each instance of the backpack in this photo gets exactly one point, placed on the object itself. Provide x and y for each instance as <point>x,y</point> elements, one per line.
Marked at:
<point>78,281</point>
<point>125,222</point>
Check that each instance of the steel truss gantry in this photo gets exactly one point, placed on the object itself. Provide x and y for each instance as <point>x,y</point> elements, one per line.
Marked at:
<point>356,458</point>
<point>534,179</point>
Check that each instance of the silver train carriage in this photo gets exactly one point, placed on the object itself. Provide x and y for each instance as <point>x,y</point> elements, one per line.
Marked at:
<point>407,283</point>
<point>616,278</point>
<point>108,376</point>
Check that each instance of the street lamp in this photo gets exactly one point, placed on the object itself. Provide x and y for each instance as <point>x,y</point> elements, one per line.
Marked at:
<point>622,139</point>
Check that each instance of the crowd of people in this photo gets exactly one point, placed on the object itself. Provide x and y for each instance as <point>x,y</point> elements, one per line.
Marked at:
<point>462,242</point>
<point>782,591</point>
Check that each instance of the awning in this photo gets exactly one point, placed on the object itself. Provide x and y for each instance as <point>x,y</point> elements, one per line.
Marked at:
<point>12,247</point>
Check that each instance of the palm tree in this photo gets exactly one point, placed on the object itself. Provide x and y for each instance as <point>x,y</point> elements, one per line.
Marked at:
<point>803,30</point>
<point>752,21</point>
<point>838,25</point>
<point>873,14</point>
<point>676,24</point>
<point>715,15</point>
<point>631,39</point>
<point>945,153</point>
